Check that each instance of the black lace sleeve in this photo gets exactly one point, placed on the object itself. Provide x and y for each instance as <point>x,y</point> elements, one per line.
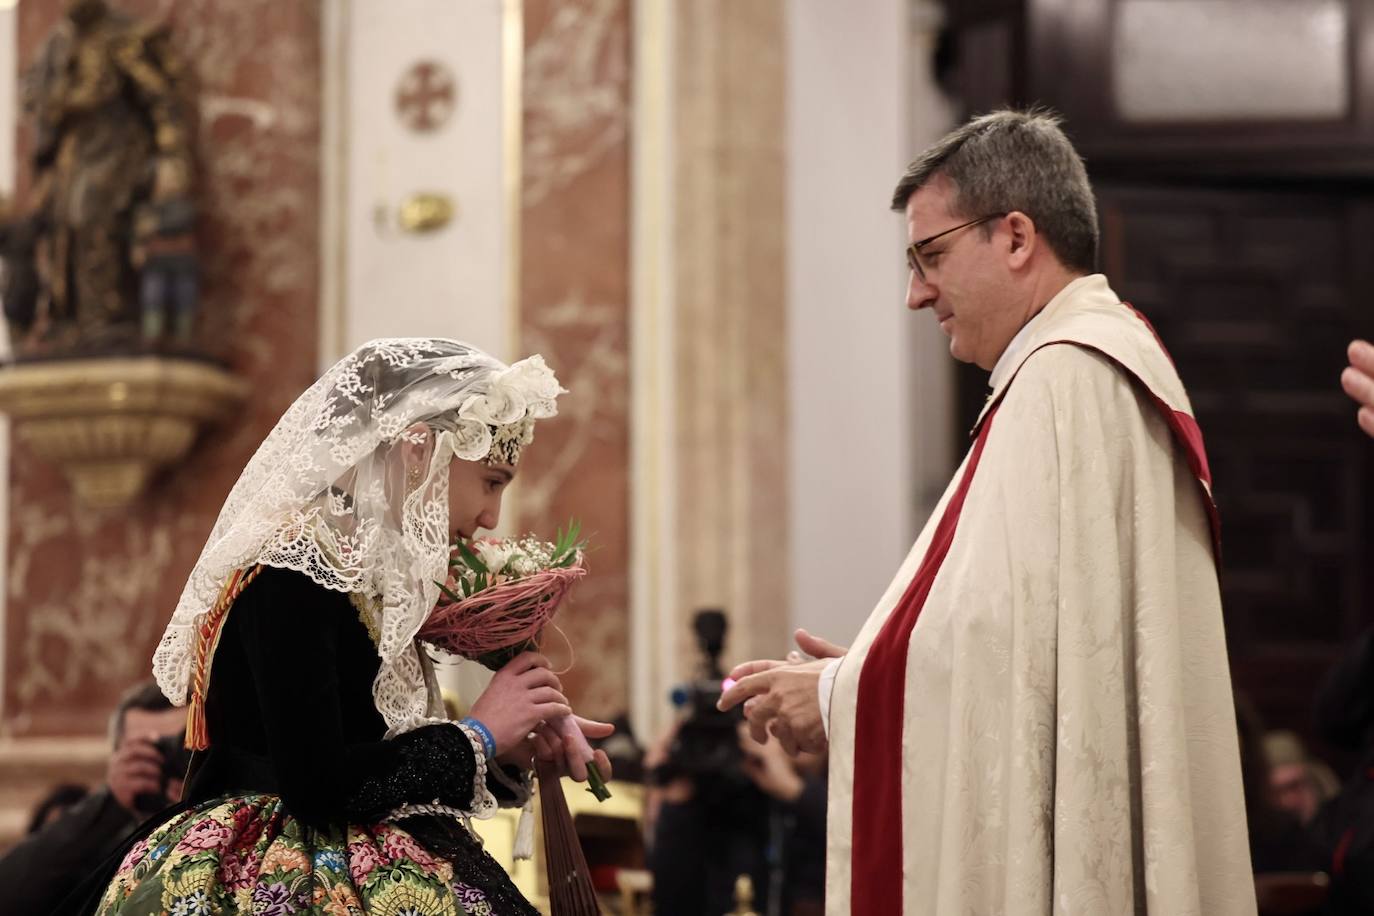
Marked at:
<point>436,763</point>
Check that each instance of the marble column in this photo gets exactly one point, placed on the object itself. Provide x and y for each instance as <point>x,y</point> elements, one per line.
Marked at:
<point>710,384</point>
<point>730,320</point>
<point>574,309</point>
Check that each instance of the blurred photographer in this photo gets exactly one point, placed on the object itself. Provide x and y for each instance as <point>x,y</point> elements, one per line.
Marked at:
<point>144,775</point>
<point>1345,824</point>
<point>707,821</point>
<point>797,787</point>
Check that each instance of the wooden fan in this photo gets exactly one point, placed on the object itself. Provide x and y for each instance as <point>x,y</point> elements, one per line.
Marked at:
<point>570,882</point>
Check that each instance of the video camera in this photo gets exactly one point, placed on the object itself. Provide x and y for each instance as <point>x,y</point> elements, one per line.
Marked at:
<point>720,829</point>
<point>707,740</point>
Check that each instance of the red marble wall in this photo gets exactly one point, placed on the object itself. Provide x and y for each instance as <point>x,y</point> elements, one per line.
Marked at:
<point>88,595</point>
<point>575,267</point>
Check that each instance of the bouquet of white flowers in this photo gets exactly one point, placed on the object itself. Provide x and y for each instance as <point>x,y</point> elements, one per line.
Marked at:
<point>501,593</point>
<point>499,596</point>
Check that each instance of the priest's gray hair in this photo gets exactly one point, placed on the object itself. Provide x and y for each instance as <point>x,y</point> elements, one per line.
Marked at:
<point>1015,160</point>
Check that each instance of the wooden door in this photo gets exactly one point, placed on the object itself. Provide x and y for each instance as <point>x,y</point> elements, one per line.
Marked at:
<point>1256,290</point>
<point>422,153</point>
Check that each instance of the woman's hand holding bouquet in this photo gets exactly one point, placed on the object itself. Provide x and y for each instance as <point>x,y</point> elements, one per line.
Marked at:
<point>523,694</point>
<point>520,705</point>
<point>499,597</point>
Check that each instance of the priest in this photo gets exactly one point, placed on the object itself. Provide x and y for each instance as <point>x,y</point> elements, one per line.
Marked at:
<point>1037,717</point>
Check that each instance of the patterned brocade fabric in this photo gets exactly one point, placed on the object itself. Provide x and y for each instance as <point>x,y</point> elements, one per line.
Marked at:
<point>247,855</point>
<point>473,867</point>
<point>289,805</point>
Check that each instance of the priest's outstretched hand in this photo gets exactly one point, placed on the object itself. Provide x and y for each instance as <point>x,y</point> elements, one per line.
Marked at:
<point>1358,381</point>
<point>782,697</point>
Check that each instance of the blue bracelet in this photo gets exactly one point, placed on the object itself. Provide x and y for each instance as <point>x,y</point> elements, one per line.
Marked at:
<point>488,741</point>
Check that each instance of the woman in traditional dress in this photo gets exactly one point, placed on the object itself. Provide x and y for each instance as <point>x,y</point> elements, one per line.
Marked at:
<point>326,778</point>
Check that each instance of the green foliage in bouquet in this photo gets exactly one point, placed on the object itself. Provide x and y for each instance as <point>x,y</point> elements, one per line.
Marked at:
<point>524,559</point>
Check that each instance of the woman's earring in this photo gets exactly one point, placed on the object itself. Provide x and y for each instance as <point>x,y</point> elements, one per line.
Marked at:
<point>413,478</point>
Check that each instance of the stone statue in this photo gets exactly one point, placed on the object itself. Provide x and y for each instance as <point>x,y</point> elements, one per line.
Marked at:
<point>102,259</point>
<point>19,281</point>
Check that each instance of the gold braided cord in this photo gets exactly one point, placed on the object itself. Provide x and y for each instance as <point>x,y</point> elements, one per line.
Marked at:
<point>207,640</point>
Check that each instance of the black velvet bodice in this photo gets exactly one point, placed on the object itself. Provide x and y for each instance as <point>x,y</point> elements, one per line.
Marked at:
<point>290,713</point>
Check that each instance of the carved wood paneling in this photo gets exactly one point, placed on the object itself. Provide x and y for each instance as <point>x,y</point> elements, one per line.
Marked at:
<point>1256,291</point>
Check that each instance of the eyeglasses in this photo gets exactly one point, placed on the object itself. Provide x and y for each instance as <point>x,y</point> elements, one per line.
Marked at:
<point>913,251</point>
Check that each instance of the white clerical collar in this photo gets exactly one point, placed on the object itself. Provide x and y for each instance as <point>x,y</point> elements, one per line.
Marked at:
<point>1010,357</point>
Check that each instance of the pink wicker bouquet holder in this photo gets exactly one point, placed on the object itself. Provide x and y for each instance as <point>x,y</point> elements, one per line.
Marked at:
<point>502,616</point>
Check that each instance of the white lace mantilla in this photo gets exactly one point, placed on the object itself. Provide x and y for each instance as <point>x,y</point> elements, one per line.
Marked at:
<point>327,495</point>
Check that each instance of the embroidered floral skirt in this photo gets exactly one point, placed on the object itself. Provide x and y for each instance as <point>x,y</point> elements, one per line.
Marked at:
<point>246,855</point>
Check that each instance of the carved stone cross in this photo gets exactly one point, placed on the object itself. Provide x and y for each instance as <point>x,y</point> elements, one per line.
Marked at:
<point>426,96</point>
